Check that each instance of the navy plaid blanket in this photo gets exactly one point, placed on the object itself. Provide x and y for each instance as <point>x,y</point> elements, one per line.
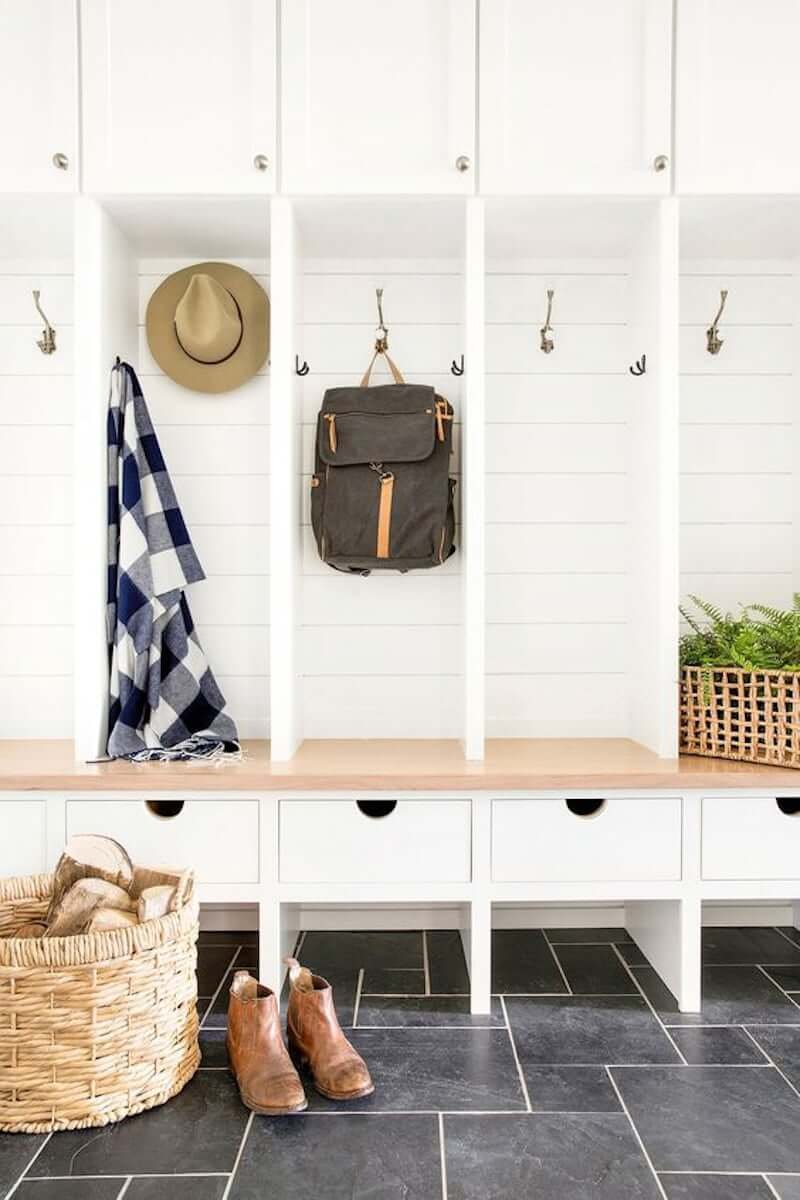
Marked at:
<point>164,701</point>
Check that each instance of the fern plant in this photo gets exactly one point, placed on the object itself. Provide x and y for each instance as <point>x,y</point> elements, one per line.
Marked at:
<point>761,639</point>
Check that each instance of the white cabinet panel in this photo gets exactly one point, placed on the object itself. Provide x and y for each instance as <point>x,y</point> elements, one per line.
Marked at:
<point>626,839</point>
<point>377,98</point>
<point>38,95</point>
<point>22,837</point>
<point>334,841</point>
<point>738,96</point>
<point>217,838</point>
<point>178,97</point>
<point>575,97</point>
<point>746,837</point>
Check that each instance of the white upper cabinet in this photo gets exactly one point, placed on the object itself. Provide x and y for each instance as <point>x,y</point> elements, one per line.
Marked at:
<point>575,96</point>
<point>179,95</point>
<point>378,97</point>
<point>38,96</point>
<point>738,96</point>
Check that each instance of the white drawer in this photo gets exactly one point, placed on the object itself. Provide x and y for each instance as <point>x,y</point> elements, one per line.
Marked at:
<point>217,838</point>
<point>23,825</point>
<point>625,839</point>
<point>336,841</point>
<point>746,837</point>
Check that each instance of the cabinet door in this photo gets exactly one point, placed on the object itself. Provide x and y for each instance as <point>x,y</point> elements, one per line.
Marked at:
<point>378,97</point>
<point>575,97</point>
<point>38,95</point>
<point>738,96</point>
<point>178,96</point>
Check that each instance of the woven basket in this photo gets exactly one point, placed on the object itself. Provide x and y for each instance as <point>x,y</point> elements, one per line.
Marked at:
<point>95,1027</point>
<point>752,716</point>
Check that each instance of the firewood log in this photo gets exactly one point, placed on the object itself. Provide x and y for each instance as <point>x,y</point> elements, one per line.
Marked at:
<point>89,855</point>
<point>103,919</point>
<point>175,877</point>
<point>33,929</point>
<point>156,902</point>
<point>74,911</point>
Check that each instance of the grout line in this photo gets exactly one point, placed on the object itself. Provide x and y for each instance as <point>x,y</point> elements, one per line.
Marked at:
<point>786,937</point>
<point>125,1187</point>
<point>138,1175</point>
<point>636,1134</point>
<point>300,943</point>
<point>549,945</point>
<point>442,1156</point>
<point>516,1056</point>
<point>646,999</point>
<point>766,973</point>
<point>14,1187</point>
<point>771,1188</point>
<point>357,1004</point>
<point>426,966</point>
<point>225,974</point>
<point>237,1160</point>
<point>771,1062</point>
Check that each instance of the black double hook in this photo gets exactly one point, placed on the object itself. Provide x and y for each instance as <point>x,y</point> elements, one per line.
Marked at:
<point>456,369</point>
<point>640,366</point>
<point>298,369</point>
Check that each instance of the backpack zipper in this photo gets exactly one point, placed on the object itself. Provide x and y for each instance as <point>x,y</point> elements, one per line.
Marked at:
<point>384,509</point>
<point>333,440</point>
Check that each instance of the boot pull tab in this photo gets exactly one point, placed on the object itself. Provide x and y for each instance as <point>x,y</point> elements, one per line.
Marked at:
<point>300,977</point>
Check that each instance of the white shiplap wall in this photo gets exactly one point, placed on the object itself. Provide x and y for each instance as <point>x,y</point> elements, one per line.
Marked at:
<point>381,656</point>
<point>740,522</point>
<point>558,541</point>
<point>217,451</point>
<point>36,406</point>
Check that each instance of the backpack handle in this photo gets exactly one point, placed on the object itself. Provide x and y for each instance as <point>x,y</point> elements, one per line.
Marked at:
<point>398,378</point>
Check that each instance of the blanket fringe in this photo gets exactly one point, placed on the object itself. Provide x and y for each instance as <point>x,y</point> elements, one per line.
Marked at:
<point>209,751</point>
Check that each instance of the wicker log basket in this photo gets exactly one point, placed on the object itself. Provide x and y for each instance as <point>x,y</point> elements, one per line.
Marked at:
<point>96,1027</point>
<point>752,716</point>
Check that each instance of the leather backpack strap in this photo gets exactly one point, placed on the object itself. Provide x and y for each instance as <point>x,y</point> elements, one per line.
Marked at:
<point>398,378</point>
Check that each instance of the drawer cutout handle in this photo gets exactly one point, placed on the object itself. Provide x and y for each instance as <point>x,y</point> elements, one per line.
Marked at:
<point>789,805</point>
<point>585,808</point>
<point>375,809</point>
<point>165,810</point>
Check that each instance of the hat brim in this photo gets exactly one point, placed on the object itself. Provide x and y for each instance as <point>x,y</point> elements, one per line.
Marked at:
<point>249,356</point>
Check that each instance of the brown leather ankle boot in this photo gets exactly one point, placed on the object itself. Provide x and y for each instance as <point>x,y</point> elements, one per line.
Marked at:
<point>316,1038</point>
<point>268,1083</point>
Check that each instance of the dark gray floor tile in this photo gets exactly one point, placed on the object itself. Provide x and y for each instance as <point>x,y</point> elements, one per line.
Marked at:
<point>165,1187</point>
<point>713,1118</point>
<point>570,1089</point>
<point>783,1047</point>
<point>433,1069</point>
<point>757,945</point>
<point>715,1187</point>
<point>731,996</point>
<point>787,1187</point>
<point>594,969</point>
<point>587,1157</point>
<point>212,1047</point>
<point>633,956</point>
<point>787,977</point>
<point>70,1189</point>
<point>711,1045</point>
<point>447,965</point>
<point>228,937</point>
<point>199,1130</point>
<point>614,934</point>
<point>441,1011</point>
<point>202,1005</point>
<point>522,961</point>
<point>592,1030</point>
<point>322,952</point>
<point>384,981</point>
<point>16,1151</point>
<point>357,1157</point>
<point>212,965</point>
<point>791,933</point>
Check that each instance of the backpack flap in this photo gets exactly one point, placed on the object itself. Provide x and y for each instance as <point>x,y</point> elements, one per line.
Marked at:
<point>396,423</point>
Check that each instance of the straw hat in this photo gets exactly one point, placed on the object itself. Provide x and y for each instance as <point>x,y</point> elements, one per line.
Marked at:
<point>208,326</point>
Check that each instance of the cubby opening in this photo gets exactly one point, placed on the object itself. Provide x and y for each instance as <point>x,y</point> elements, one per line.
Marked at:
<point>216,446</point>
<point>580,463</point>
<point>381,656</point>
<point>36,467</point>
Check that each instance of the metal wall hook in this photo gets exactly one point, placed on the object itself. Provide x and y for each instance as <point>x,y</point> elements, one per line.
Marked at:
<point>382,333</point>
<point>47,342</point>
<point>714,342</point>
<point>298,370</point>
<point>457,369</point>
<point>546,344</point>
<point>639,367</point>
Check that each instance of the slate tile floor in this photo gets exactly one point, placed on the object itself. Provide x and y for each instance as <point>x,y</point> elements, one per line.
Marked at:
<point>583,1083</point>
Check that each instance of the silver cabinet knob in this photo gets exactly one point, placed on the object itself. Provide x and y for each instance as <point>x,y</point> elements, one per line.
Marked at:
<point>463,163</point>
<point>660,162</point>
<point>261,162</point>
<point>61,162</point>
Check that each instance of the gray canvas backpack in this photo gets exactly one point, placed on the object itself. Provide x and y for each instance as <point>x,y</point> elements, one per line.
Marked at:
<point>381,493</point>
